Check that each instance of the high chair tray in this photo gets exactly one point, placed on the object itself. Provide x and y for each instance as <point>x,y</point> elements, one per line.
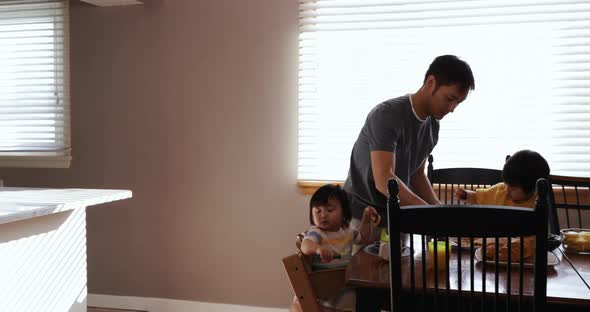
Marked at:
<point>334,264</point>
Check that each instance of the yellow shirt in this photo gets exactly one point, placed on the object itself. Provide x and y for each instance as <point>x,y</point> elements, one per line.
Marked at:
<point>497,195</point>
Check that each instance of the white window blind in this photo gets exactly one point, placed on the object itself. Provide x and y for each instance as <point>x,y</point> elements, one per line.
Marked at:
<point>530,59</point>
<point>34,84</point>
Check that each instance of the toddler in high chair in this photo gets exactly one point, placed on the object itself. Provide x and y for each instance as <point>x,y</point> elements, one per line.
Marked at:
<point>331,236</point>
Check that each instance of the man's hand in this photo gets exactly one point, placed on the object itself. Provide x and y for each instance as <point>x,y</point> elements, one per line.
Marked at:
<point>383,165</point>
<point>421,185</point>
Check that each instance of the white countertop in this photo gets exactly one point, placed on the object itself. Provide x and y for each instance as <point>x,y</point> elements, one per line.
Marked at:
<point>24,203</point>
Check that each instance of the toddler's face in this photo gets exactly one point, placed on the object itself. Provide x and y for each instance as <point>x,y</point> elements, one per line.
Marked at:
<point>328,217</point>
<point>517,194</point>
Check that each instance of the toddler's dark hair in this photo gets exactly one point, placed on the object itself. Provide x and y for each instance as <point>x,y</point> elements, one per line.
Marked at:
<point>524,168</point>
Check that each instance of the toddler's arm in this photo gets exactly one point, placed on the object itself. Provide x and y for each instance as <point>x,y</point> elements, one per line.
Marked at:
<point>310,248</point>
<point>466,195</point>
<point>366,226</point>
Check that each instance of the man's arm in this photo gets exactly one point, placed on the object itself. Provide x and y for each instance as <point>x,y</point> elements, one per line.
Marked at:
<point>421,185</point>
<point>383,164</point>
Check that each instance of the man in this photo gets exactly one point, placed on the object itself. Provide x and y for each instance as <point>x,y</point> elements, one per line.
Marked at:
<point>398,136</point>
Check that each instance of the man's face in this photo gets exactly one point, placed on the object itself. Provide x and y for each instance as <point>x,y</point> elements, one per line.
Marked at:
<point>445,99</point>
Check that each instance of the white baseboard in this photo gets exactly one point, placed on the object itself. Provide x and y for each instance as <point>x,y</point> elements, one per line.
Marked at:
<point>168,305</point>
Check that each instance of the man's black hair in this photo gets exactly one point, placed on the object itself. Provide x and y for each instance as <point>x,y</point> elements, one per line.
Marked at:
<point>450,70</point>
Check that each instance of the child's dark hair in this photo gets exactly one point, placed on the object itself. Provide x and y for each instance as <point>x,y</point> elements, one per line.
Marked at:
<point>325,193</point>
<point>524,168</point>
<point>450,70</point>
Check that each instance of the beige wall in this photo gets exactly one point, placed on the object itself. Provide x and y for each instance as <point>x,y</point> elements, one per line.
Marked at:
<point>192,105</point>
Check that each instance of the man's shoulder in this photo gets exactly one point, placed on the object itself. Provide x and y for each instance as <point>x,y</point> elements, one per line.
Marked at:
<point>393,108</point>
<point>398,103</point>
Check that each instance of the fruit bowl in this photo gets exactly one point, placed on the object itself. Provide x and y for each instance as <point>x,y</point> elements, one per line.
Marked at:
<point>576,239</point>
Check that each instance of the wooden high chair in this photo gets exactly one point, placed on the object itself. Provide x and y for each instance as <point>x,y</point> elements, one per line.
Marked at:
<point>310,286</point>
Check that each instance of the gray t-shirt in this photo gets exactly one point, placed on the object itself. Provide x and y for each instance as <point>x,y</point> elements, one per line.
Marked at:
<point>391,126</point>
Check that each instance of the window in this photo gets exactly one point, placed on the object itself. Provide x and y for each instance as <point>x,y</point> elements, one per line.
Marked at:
<point>34,84</point>
<point>530,59</point>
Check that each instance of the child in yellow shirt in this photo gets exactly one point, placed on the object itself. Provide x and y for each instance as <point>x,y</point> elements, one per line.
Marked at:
<point>520,174</point>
